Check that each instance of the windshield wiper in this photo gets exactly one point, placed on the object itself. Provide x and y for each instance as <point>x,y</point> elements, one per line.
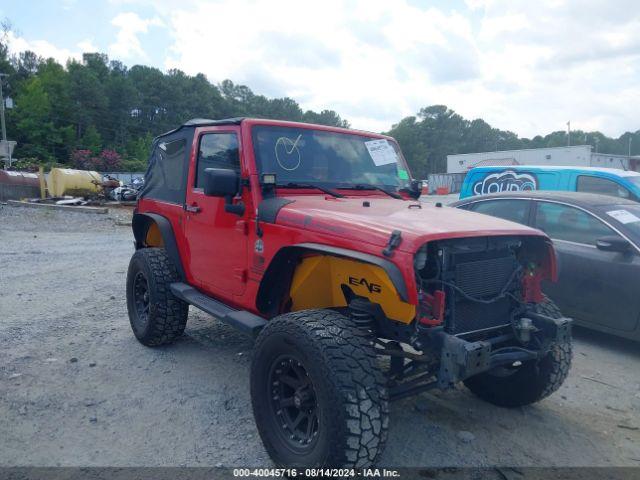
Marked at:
<point>369,186</point>
<point>308,185</point>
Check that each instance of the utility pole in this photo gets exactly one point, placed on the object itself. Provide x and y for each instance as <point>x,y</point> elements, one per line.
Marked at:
<point>569,133</point>
<point>4,128</point>
<point>630,138</point>
<point>6,147</point>
<point>596,141</point>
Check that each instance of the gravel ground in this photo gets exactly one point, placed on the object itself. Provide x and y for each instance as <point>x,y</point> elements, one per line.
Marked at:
<point>77,389</point>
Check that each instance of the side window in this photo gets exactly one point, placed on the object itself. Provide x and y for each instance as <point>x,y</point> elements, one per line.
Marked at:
<point>165,178</point>
<point>602,186</point>
<point>217,150</point>
<point>514,210</point>
<point>562,222</point>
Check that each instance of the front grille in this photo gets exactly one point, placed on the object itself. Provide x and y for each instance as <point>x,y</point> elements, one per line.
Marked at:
<point>485,279</point>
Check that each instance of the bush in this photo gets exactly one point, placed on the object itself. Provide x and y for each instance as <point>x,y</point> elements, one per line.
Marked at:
<point>82,159</point>
<point>132,165</point>
<point>110,160</point>
<point>28,164</point>
<point>106,161</point>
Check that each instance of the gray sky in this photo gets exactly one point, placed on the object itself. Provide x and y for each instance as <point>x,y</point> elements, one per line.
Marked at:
<point>525,66</point>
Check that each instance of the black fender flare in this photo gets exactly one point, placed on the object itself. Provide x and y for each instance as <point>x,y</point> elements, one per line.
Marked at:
<point>140,224</point>
<point>275,282</point>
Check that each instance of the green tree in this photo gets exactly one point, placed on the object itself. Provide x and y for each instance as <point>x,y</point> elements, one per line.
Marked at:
<point>91,140</point>
<point>27,64</point>
<point>37,135</point>
<point>90,103</point>
<point>408,134</point>
<point>118,126</point>
<point>55,82</point>
<point>138,152</point>
<point>5,60</point>
<point>325,117</point>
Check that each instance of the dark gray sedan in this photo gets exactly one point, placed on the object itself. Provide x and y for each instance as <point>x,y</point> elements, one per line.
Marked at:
<point>597,239</point>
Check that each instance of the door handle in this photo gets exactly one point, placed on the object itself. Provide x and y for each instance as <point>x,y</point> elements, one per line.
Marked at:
<point>192,208</point>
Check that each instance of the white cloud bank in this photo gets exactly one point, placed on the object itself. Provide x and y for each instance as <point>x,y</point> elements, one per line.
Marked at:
<point>520,65</point>
<point>524,66</point>
<point>47,49</point>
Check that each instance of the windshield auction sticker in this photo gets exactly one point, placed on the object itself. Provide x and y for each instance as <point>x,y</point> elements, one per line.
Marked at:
<point>382,153</point>
<point>623,216</point>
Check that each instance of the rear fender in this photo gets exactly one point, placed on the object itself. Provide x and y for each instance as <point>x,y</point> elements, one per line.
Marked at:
<point>153,230</point>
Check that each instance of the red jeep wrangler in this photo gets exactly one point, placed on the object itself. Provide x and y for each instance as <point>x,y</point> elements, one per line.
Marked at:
<point>310,238</point>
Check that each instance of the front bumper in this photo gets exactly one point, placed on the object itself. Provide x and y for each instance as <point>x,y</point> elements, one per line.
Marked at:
<point>461,359</point>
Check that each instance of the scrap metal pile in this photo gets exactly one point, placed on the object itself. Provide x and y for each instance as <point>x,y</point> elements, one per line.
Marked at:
<point>65,186</point>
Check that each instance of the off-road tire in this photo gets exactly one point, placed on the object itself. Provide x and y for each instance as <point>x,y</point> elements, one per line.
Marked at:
<point>532,381</point>
<point>350,390</point>
<point>167,314</point>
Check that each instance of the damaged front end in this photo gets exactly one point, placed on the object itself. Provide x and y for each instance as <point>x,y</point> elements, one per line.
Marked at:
<point>478,312</point>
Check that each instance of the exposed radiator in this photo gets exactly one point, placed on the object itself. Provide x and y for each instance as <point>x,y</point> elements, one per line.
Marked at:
<point>484,277</point>
<point>480,278</point>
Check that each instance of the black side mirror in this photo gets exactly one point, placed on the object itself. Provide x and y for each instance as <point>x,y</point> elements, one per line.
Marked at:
<point>224,182</point>
<point>221,182</point>
<point>415,189</point>
<point>613,243</point>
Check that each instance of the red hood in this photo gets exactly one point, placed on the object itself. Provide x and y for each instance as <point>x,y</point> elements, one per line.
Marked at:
<point>348,218</point>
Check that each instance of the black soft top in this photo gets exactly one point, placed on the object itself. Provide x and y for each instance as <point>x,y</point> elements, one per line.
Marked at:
<point>204,122</point>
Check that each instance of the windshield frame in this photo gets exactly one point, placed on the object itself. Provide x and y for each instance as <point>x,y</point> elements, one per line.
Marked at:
<point>403,184</point>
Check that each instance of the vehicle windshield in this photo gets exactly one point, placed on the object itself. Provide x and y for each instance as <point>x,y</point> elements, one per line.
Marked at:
<point>628,215</point>
<point>329,159</point>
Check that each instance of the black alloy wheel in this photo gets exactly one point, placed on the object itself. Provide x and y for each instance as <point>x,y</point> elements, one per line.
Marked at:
<point>141,300</point>
<point>318,396</point>
<point>293,402</point>
<point>157,316</point>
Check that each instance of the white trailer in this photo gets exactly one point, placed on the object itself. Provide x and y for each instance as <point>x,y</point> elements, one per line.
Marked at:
<point>579,155</point>
<point>575,156</point>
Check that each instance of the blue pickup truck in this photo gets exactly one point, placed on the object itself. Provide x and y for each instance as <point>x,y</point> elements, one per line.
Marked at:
<point>605,181</point>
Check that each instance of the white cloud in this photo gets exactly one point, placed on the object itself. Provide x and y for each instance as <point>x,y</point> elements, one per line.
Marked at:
<point>45,49</point>
<point>330,54</point>
<point>524,66</point>
<point>520,65</point>
<point>127,44</point>
<point>577,61</point>
<point>42,48</point>
<point>68,4</point>
<point>88,46</point>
